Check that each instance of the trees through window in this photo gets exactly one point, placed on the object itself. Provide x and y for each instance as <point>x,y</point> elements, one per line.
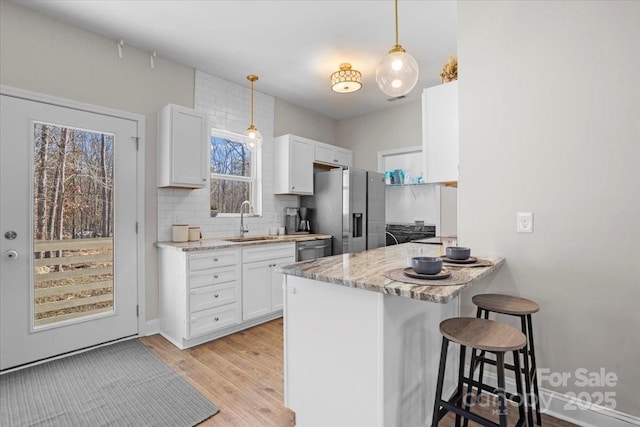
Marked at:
<point>234,166</point>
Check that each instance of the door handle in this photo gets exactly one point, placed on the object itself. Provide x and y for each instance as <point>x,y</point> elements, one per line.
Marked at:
<point>11,254</point>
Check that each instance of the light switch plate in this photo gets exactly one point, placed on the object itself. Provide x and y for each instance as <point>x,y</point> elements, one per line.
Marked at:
<point>525,222</point>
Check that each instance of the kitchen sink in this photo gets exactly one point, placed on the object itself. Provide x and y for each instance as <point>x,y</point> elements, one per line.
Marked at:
<point>250,238</point>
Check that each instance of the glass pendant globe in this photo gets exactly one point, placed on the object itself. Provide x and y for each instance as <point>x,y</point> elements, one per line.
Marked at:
<point>397,74</point>
<point>253,133</point>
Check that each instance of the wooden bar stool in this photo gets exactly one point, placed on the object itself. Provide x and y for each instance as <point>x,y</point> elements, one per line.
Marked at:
<point>488,336</point>
<point>522,308</point>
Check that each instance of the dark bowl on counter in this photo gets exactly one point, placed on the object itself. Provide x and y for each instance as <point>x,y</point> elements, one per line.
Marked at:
<point>426,264</point>
<point>458,252</point>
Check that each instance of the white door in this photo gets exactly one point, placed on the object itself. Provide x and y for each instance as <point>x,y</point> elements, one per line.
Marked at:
<point>68,276</point>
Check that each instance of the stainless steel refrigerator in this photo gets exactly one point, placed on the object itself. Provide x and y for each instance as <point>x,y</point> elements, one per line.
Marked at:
<point>348,204</point>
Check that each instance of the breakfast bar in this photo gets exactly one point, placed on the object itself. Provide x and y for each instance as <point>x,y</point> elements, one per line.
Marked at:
<point>361,348</point>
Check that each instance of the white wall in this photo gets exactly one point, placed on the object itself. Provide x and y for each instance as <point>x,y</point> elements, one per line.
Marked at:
<point>302,122</point>
<point>400,126</point>
<point>44,55</point>
<point>549,124</point>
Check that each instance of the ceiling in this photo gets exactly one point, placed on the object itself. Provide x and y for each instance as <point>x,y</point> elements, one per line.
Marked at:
<point>293,45</point>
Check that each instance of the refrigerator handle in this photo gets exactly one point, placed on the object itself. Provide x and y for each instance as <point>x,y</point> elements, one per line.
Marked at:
<point>357,225</point>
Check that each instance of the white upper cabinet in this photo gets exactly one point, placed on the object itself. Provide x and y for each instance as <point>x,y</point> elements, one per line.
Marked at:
<point>183,148</point>
<point>293,165</point>
<point>440,132</point>
<point>332,155</point>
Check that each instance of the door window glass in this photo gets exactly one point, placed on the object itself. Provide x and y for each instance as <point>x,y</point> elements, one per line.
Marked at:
<point>73,223</point>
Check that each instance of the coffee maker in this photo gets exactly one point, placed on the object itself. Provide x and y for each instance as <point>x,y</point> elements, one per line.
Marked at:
<point>297,221</point>
<point>304,227</point>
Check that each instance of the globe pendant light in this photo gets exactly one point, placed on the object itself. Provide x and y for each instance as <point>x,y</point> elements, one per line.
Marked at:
<point>252,131</point>
<point>397,74</point>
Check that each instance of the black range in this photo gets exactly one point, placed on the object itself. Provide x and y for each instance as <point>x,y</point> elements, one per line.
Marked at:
<point>403,233</point>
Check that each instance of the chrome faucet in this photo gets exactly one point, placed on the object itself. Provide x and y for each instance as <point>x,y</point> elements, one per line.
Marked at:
<point>242,229</point>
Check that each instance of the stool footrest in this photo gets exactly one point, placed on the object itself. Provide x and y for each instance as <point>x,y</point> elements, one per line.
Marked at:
<point>493,362</point>
<point>512,397</point>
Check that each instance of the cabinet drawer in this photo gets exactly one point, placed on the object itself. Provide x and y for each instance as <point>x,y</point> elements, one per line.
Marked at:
<point>214,276</point>
<point>268,252</point>
<point>213,296</point>
<point>206,260</point>
<point>213,319</point>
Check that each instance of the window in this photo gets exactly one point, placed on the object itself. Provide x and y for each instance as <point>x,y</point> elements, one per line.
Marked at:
<point>235,172</point>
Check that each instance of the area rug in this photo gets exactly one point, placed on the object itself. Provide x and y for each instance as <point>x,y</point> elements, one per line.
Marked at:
<point>123,384</point>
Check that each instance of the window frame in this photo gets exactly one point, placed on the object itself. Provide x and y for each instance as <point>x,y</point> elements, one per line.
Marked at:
<point>255,166</point>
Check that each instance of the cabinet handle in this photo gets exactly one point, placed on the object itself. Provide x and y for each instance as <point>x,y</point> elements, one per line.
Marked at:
<point>204,179</point>
<point>215,260</point>
<point>293,187</point>
<point>216,296</point>
<point>215,276</point>
<point>335,160</point>
<point>216,319</point>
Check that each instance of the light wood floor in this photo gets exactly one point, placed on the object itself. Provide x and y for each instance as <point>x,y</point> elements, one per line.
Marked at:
<point>243,375</point>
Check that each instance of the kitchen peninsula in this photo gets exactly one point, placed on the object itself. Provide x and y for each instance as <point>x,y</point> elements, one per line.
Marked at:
<point>362,349</point>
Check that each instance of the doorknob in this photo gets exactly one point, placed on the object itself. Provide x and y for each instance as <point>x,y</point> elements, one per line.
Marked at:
<point>11,254</point>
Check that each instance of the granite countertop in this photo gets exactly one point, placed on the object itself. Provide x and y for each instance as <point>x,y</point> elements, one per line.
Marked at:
<point>220,243</point>
<point>365,270</point>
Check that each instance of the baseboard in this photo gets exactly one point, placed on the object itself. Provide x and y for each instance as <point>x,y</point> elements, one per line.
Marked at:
<point>570,409</point>
<point>151,327</point>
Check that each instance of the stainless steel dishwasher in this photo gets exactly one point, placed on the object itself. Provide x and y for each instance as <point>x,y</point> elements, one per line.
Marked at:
<point>312,249</point>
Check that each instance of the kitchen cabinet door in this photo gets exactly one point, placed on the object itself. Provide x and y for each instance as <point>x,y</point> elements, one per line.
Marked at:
<point>277,297</point>
<point>183,150</point>
<point>293,165</point>
<point>261,283</point>
<point>256,289</point>
<point>343,157</point>
<point>331,155</point>
<point>440,132</point>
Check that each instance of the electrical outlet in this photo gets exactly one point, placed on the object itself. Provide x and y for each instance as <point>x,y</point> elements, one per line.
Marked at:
<point>525,222</point>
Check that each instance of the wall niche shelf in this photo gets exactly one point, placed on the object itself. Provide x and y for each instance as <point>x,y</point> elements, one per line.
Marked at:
<point>407,185</point>
<point>413,187</point>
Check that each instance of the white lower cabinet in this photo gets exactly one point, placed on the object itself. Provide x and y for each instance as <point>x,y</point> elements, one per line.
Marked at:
<point>205,295</point>
<point>261,283</point>
<point>200,294</point>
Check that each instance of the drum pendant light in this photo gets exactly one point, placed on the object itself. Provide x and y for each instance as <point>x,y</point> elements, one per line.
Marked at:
<point>397,74</point>
<point>346,80</point>
<point>252,131</point>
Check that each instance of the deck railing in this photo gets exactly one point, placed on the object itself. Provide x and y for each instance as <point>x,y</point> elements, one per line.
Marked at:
<point>74,279</point>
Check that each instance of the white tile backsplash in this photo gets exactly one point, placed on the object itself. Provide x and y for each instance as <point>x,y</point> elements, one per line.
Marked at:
<point>228,107</point>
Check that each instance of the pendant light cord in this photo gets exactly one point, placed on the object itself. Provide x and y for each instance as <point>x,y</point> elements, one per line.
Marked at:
<point>252,81</point>
<point>397,23</point>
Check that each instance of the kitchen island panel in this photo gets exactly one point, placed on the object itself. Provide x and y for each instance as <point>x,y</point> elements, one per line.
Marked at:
<point>355,358</point>
<point>332,337</point>
<point>411,353</point>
